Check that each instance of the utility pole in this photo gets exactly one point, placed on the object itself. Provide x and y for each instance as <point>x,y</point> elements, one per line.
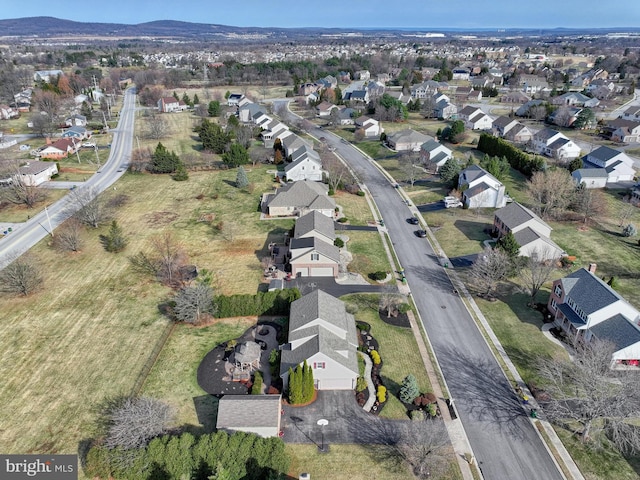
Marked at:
<point>48,220</point>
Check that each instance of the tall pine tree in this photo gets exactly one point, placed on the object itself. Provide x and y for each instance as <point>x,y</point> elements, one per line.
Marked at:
<point>241,178</point>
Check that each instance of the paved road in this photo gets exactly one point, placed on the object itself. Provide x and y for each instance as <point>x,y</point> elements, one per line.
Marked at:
<point>503,439</point>
<point>31,232</point>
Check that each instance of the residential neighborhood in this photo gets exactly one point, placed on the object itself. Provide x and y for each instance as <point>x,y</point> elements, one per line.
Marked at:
<point>320,252</point>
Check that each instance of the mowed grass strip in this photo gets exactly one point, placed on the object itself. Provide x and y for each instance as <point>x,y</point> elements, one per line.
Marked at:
<point>398,350</point>
<point>368,252</point>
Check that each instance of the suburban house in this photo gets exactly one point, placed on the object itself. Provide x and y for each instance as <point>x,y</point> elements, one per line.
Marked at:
<point>323,333</point>
<point>613,165</point>
<point>299,198</point>
<point>575,99</point>
<point>311,250</point>
<point>588,309</point>
<point>46,75</point>
<point>7,112</point>
<point>324,109</point>
<point>555,145</point>
<point>564,116</point>
<point>170,104</point>
<point>77,132</point>
<point>346,116</point>
<point>59,149</point>
<point>515,97</point>
<point>76,120</point>
<point>293,142</point>
<point>625,131</point>
<point>234,99</point>
<point>407,140</point>
<point>34,173</point>
<point>305,165</point>
<point>632,113</point>
<point>475,119</point>
<point>22,100</point>
<point>247,111</point>
<point>434,153</point>
<point>512,130</point>
<point>443,108</point>
<point>480,189</point>
<point>529,230</point>
<point>370,126</point>
<point>259,414</point>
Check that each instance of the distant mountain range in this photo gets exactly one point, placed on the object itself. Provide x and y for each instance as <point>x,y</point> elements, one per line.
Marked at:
<point>55,27</point>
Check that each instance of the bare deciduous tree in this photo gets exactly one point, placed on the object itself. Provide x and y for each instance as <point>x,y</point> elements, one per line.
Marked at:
<point>88,207</point>
<point>491,266</point>
<point>552,191</point>
<point>21,276</point>
<point>409,166</point>
<point>586,392</point>
<point>43,125</point>
<point>336,171</point>
<point>140,158</point>
<point>425,450</point>
<point>157,127</point>
<point>20,192</point>
<point>626,210</point>
<point>537,270</point>
<point>389,299</point>
<point>68,237</point>
<point>164,261</point>
<point>133,421</point>
<point>589,203</point>
<point>194,303</point>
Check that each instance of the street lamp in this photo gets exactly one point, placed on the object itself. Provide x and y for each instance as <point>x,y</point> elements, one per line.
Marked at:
<point>322,422</point>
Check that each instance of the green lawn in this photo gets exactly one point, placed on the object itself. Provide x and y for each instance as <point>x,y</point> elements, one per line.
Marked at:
<point>368,252</point>
<point>398,351</point>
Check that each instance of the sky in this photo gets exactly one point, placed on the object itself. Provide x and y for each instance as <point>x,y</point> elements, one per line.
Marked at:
<point>421,14</point>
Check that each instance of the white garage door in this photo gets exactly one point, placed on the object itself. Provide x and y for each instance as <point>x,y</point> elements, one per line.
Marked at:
<point>322,272</point>
<point>335,384</point>
<point>302,272</point>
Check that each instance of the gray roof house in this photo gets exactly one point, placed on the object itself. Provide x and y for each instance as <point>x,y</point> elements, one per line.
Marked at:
<point>407,140</point>
<point>323,333</point>
<point>480,189</point>
<point>298,198</point>
<point>588,309</point>
<point>312,252</point>
<point>617,165</point>
<point>434,153</point>
<point>259,414</point>
<point>531,232</point>
<point>315,224</point>
<point>305,165</point>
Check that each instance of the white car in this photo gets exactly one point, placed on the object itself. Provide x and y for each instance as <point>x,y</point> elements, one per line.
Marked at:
<point>24,148</point>
<point>89,145</point>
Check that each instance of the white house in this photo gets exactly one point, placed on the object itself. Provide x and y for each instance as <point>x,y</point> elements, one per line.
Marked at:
<point>590,177</point>
<point>434,153</point>
<point>480,189</point>
<point>370,126</point>
<point>323,333</point>
<point>298,198</point>
<point>475,119</point>
<point>311,250</point>
<point>34,173</point>
<point>530,231</point>
<point>587,309</point>
<point>305,165</point>
<point>617,165</point>
<point>554,144</point>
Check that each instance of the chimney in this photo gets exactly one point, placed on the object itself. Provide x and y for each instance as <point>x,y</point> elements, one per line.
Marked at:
<point>592,268</point>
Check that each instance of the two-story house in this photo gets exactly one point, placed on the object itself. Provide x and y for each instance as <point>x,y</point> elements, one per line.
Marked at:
<point>480,189</point>
<point>607,162</point>
<point>434,153</point>
<point>311,250</point>
<point>475,119</point>
<point>554,144</point>
<point>587,309</point>
<point>305,165</point>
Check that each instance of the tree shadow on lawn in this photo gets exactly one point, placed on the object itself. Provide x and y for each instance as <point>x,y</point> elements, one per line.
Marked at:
<point>473,230</point>
<point>207,411</point>
<point>275,236</point>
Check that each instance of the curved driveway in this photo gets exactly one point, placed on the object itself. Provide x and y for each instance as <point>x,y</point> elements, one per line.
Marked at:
<point>28,234</point>
<point>502,437</point>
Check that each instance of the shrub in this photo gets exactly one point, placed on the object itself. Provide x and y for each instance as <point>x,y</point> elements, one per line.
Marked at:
<point>629,230</point>
<point>262,303</point>
<point>342,220</point>
<point>338,242</point>
<point>375,357</point>
<point>381,395</point>
<point>417,415</point>
<point>360,193</point>
<point>361,384</point>
<point>409,389</point>
<point>256,388</point>
<point>432,409</point>
<point>378,276</point>
<point>404,308</point>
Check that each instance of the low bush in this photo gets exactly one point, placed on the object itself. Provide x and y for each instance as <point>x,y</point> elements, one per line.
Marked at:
<point>375,357</point>
<point>381,395</point>
<point>417,415</point>
<point>361,384</point>
<point>338,242</point>
<point>256,388</point>
<point>378,276</point>
<point>360,193</point>
<point>403,308</point>
<point>262,303</point>
<point>342,220</point>
<point>432,409</point>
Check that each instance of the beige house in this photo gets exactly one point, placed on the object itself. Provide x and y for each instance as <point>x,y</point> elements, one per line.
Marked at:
<point>35,173</point>
<point>407,140</point>
<point>311,250</point>
<point>298,198</point>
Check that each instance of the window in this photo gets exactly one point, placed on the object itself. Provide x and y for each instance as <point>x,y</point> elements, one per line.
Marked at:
<point>315,256</point>
<point>553,303</point>
<point>317,365</point>
<point>558,291</point>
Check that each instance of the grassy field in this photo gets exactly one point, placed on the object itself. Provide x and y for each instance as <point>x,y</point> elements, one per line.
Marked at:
<point>12,213</point>
<point>397,348</point>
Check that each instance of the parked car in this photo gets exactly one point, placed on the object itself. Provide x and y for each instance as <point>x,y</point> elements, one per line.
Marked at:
<point>413,221</point>
<point>451,202</point>
<point>24,148</point>
<point>89,144</point>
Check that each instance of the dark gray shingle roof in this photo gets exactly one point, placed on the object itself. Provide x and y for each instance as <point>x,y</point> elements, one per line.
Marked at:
<point>246,411</point>
<point>617,330</point>
<point>588,291</point>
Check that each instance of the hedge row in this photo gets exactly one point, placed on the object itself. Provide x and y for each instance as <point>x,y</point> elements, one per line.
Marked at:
<point>277,302</point>
<point>519,160</point>
<point>240,455</point>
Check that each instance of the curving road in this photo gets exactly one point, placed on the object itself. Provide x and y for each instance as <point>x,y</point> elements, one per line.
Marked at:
<point>26,235</point>
<point>502,437</point>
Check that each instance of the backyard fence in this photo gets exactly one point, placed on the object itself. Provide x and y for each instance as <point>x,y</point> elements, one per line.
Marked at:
<point>153,357</point>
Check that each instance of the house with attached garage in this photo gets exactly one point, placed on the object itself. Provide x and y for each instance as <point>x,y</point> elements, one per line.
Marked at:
<point>607,162</point>
<point>530,231</point>
<point>586,309</point>
<point>234,99</point>
<point>555,145</point>
<point>511,129</point>
<point>298,198</point>
<point>77,132</point>
<point>312,252</point>
<point>170,105</point>
<point>34,173</point>
<point>407,140</point>
<point>475,119</point>
<point>323,333</point>
<point>370,126</point>
<point>480,189</point>
<point>61,148</point>
<point>305,165</point>
<point>434,153</point>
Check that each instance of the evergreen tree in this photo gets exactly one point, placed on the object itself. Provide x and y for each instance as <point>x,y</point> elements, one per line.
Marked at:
<point>186,99</point>
<point>181,173</point>
<point>307,383</point>
<point>575,164</point>
<point>212,136</point>
<point>509,244</point>
<point>114,241</point>
<point>85,110</point>
<point>295,385</point>
<point>409,389</point>
<point>241,178</point>
<point>163,160</point>
<point>196,99</point>
<point>496,166</point>
<point>237,155</point>
<point>449,172</point>
<point>175,95</point>
<point>214,108</point>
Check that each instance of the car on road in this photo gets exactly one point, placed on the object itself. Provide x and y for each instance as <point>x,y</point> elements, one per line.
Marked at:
<point>413,221</point>
<point>421,233</point>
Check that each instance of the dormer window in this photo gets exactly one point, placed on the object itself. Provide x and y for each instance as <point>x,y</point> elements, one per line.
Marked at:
<point>558,291</point>
<point>315,256</point>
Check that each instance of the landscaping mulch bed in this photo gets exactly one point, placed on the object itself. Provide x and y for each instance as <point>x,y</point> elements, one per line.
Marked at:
<point>399,320</point>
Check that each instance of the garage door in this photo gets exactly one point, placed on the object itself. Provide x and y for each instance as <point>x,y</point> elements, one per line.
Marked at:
<point>335,384</point>
<point>322,272</point>
<point>302,272</point>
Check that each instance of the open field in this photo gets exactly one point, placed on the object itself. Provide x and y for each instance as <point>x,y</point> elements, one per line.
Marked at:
<point>12,213</point>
